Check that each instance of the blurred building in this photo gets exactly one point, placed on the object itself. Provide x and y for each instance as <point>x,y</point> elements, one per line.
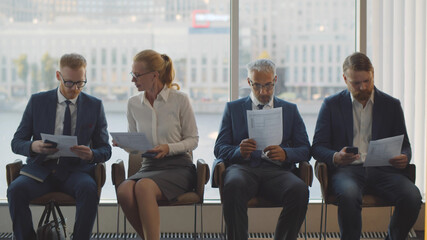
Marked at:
<point>307,39</point>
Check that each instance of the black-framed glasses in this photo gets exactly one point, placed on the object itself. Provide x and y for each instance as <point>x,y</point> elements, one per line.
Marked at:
<point>70,84</point>
<point>268,86</point>
<point>136,76</point>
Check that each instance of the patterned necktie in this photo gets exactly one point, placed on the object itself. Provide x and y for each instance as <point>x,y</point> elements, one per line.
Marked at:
<point>260,106</point>
<point>67,120</point>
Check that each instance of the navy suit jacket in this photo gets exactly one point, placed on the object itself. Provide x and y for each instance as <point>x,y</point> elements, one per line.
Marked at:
<point>334,127</point>
<point>234,128</point>
<point>39,117</point>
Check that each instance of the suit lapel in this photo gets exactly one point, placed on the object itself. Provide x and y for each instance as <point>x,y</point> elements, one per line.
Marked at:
<point>377,114</point>
<point>247,105</point>
<point>51,103</point>
<point>80,114</point>
<point>347,114</point>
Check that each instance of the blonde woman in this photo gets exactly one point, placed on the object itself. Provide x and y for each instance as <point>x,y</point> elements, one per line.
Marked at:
<point>165,116</point>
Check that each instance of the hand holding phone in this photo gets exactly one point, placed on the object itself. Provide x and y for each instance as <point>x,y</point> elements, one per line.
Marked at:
<point>53,144</point>
<point>354,150</point>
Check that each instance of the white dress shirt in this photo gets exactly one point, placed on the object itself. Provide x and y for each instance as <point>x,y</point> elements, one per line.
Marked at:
<point>60,111</point>
<point>362,126</point>
<point>169,121</point>
<point>255,102</point>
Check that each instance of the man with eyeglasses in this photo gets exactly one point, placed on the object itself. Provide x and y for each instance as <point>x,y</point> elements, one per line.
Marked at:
<point>65,110</point>
<point>352,118</point>
<point>266,172</point>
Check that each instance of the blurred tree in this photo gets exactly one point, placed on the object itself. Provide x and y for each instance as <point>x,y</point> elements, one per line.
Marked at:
<point>22,66</point>
<point>48,70</point>
<point>35,78</point>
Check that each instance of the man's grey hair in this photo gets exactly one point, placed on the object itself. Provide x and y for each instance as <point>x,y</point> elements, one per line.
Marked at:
<point>261,65</point>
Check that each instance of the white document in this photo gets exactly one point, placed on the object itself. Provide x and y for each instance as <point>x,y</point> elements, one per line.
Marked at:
<point>64,144</point>
<point>382,150</point>
<point>265,127</point>
<point>133,141</point>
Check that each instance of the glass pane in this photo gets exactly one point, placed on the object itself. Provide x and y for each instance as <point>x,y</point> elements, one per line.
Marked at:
<point>195,34</point>
<point>308,40</point>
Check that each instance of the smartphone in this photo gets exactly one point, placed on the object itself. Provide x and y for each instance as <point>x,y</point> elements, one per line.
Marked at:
<point>149,154</point>
<point>354,150</point>
<point>54,144</point>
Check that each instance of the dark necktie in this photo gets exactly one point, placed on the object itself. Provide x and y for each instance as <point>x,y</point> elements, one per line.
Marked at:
<point>260,106</point>
<point>67,120</point>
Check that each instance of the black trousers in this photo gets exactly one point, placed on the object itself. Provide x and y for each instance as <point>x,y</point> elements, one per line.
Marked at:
<point>242,182</point>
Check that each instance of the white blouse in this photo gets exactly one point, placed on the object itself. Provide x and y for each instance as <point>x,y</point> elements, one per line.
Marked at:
<point>169,121</point>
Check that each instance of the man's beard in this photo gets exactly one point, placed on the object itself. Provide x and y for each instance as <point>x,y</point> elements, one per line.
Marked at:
<point>265,100</point>
<point>362,96</point>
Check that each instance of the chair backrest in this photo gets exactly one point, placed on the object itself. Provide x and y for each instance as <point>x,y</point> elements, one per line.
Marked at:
<point>134,164</point>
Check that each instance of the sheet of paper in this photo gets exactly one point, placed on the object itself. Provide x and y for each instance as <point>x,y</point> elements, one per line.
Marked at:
<point>265,127</point>
<point>133,141</point>
<point>64,144</point>
<point>382,150</point>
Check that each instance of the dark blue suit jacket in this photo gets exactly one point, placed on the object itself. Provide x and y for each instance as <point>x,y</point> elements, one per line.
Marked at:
<point>234,128</point>
<point>334,127</point>
<point>39,117</point>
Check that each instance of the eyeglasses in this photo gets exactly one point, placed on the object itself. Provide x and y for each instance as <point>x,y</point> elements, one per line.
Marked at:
<point>70,84</point>
<point>136,76</point>
<point>268,86</point>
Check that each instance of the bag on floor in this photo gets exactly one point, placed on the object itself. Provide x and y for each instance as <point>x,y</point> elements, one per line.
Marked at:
<point>52,229</point>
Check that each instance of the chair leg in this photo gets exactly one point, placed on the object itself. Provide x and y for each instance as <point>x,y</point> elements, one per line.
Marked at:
<point>326,218</point>
<point>222,224</point>
<point>124,226</point>
<point>321,221</point>
<point>118,221</point>
<point>305,227</point>
<point>195,222</point>
<point>97,223</point>
<point>201,221</point>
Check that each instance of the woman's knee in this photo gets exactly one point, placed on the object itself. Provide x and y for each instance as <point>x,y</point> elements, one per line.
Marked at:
<point>125,191</point>
<point>148,188</point>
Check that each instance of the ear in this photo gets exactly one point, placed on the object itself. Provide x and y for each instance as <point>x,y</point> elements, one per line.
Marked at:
<point>249,82</point>
<point>345,78</point>
<point>58,77</point>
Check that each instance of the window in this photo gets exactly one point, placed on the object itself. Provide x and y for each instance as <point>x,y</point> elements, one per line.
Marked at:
<point>308,55</point>
<point>194,47</point>
<point>296,41</point>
